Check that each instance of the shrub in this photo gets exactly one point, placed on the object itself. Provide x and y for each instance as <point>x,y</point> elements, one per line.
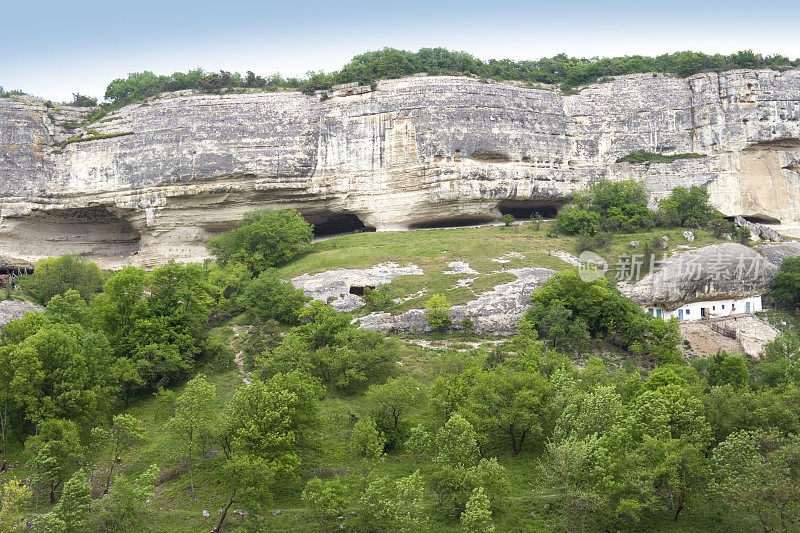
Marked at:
<point>437,312</point>
<point>508,219</point>
<point>643,156</point>
<point>57,275</point>
<point>686,207</point>
<point>607,206</point>
<point>263,239</point>
<point>269,297</point>
<point>786,283</point>
<point>467,325</point>
<point>721,227</point>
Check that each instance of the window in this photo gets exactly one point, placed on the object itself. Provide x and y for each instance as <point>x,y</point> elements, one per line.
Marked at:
<point>650,310</point>
<point>658,312</point>
<point>723,306</point>
<point>713,307</point>
<point>688,312</point>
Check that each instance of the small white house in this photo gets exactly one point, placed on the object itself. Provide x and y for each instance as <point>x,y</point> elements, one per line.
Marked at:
<point>709,309</point>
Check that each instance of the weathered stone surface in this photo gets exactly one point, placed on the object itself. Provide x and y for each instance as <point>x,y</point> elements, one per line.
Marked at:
<point>688,235</point>
<point>716,272</point>
<point>14,309</point>
<point>776,253</point>
<point>496,312</point>
<point>335,286</point>
<point>759,232</point>
<point>417,151</point>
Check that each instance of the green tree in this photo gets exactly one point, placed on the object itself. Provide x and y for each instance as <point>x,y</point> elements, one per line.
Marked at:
<point>125,432</point>
<point>55,451</point>
<point>389,404</point>
<point>477,516</point>
<point>275,420</point>
<point>248,479</point>
<point>332,349</point>
<point>686,207</point>
<point>513,403</point>
<point>124,508</point>
<point>57,275</point>
<point>269,297</point>
<point>326,500</point>
<point>757,474</point>
<point>263,239</point>
<point>786,284</point>
<point>194,420</point>
<point>72,510</point>
<point>366,442</point>
<point>508,219</point>
<point>13,497</point>
<point>437,312</point>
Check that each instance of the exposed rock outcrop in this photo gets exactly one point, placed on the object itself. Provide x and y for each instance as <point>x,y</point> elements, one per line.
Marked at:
<point>716,272</point>
<point>776,253</point>
<point>496,312</point>
<point>153,181</point>
<point>759,232</point>
<point>343,288</point>
<point>14,309</point>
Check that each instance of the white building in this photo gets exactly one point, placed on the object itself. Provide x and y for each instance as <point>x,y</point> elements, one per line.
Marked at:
<point>709,309</point>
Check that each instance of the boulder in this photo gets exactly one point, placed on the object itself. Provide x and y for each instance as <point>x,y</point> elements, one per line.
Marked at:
<point>716,272</point>
<point>759,231</point>
<point>688,235</point>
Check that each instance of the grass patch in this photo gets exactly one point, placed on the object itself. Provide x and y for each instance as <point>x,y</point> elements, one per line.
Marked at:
<point>517,246</point>
<point>643,156</point>
<point>93,137</point>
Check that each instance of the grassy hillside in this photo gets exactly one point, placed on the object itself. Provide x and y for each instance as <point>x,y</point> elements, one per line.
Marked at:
<point>521,245</point>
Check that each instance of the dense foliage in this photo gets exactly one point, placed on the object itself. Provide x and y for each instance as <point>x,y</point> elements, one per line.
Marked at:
<point>263,239</point>
<point>342,428</point>
<point>568,310</point>
<point>388,63</point>
<point>786,284</point>
<point>607,206</point>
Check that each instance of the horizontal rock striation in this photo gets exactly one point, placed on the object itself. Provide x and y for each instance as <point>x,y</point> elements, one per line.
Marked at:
<point>155,180</point>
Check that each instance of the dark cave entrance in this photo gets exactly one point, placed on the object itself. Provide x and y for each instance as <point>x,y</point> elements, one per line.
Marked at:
<point>328,223</point>
<point>525,209</point>
<point>361,290</point>
<point>89,231</point>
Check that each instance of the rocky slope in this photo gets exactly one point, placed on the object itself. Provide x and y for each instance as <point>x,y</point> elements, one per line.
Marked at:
<point>415,152</point>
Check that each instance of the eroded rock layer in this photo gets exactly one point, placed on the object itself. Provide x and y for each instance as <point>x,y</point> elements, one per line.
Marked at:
<point>155,180</point>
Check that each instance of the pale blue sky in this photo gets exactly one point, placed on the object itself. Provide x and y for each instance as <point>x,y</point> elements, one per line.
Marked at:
<point>54,49</point>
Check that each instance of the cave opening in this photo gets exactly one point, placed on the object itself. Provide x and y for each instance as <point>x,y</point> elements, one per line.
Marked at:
<point>329,223</point>
<point>525,209</point>
<point>88,231</point>
<point>360,290</point>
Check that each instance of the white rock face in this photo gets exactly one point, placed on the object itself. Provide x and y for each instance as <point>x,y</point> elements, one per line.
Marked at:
<point>14,309</point>
<point>496,312</point>
<point>339,287</point>
<point>415,152</point>
<point>716,272</point>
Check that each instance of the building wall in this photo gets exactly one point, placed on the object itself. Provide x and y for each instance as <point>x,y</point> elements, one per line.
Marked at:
<point>715,309</point>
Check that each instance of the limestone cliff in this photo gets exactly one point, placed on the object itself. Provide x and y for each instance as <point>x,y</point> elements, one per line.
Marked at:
<point>153,181</point>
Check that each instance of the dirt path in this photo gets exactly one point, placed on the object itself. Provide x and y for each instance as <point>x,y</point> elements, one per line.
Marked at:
<point>238,356</point>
